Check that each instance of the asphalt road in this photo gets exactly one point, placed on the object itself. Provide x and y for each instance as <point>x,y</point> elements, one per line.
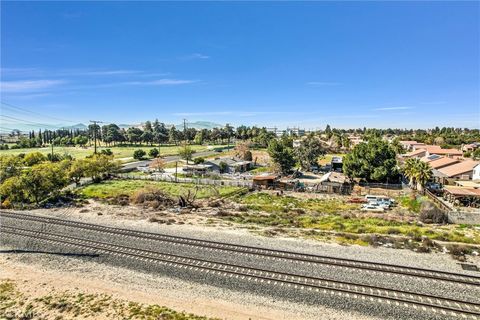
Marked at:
<point>133,165</point>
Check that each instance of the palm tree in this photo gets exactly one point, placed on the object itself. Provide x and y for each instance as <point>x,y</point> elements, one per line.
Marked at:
<point>409,171</point>
<point>418,172</point>
<point>423,174</point>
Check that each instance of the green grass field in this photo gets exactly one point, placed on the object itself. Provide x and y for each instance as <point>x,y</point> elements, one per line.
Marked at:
<point>328,158</point>
<point>113,188</point>
<point>118,152</point>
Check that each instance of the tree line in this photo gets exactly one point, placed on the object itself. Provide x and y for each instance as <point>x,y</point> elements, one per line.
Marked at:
<point>150,133</point>
<point>34,178</point>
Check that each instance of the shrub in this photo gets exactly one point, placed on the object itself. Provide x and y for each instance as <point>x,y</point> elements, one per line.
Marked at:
<point>198,160</point>
<point>223,167</point>
<point>139,154</point>
<point>429,213</point>
<point>34,158</point>
<point>151,197</point>
<point>107,152</point>
<point>153,152</point>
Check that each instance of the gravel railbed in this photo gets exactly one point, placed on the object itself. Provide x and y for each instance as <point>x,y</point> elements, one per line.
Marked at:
<point>285,244</point>
<point>336,301</point>
<point>413,284</point>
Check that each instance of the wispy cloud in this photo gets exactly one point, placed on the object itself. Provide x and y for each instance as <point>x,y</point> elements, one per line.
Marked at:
<point>29,85</point>
<point>73,72</point>
<point>159,82</point>
<point>323,83</point>
<point>195,56</point>
<point>104,72</point>
<point>433,102</point>
<point>392,108</point>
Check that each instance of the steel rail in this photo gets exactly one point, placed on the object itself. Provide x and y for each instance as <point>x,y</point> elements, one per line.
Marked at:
<point>269,253</point>
<point>408,298</point>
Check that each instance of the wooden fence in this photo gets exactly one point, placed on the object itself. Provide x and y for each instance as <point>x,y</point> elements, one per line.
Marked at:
<point>390,186</point>
<point>169,178</point>
<point>440,204</point>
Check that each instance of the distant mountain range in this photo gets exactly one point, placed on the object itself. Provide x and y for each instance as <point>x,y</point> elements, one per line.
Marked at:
<point>27,127</point>
<point>200,125</point>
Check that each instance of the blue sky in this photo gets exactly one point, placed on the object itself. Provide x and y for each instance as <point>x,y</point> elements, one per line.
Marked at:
<point>349,64</point>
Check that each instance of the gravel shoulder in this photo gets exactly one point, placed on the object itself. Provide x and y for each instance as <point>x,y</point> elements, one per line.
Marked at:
<point>138,218</point>
<point>42,272</point>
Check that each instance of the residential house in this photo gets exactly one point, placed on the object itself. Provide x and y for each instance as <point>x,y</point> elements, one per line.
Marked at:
<point>476,173</point>
<point>471,147</point>
<point>233,165</point>
<point>416,154</point>
<point>459,171</point>
<point>441,162</point>
<point>429,150</point>
<point>410,145</point>
<point>197,169</point>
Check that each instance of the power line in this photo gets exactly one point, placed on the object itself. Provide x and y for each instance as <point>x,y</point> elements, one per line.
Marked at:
<point>22,121</point>
<point>11,106</point>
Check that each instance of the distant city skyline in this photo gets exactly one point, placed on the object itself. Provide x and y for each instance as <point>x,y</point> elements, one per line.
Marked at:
<point>283,64</point>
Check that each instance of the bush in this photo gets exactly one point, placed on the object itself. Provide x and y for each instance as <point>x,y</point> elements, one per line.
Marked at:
<point>107,152</point>
<point>139,154</point>
<point>151,197</point>
<point>198,160</point>
<point>223,167</point>
<point>34,158</point>
<point>248,156</point>
<point>153,152</point>
<point>3,146</point>
<point>429,213</point>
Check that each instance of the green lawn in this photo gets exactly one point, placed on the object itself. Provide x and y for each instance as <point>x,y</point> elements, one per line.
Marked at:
<point>113,188</point>
<point>118,152</point>
<point>270,203</point>
<point>328,158</point>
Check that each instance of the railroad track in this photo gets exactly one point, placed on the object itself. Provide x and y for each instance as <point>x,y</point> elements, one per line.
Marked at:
<point>428,303</point>
<point>256,251</point>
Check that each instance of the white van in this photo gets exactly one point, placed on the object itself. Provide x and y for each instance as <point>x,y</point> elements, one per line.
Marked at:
<point>371,198</point>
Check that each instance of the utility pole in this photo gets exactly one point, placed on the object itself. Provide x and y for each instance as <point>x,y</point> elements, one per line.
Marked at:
<point>95,134</point>
<point>228,136</point>
<point>185,137</point>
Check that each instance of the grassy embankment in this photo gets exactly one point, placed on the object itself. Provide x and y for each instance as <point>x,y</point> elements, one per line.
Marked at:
<point>338,216</point>
<point>70,305</point>
<point>114,188</point>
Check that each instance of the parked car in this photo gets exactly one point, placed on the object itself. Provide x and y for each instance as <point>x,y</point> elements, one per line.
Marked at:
<point>370,207</point>
<point>357,200</point>
<point>380,204</point>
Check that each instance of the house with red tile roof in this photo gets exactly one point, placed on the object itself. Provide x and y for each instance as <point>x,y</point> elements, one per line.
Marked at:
<point>462,170</point>
<point>441,162</point>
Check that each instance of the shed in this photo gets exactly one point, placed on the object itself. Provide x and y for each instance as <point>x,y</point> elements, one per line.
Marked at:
<point>468,197</point>
<point>336,182</point>
<point>265,181</point>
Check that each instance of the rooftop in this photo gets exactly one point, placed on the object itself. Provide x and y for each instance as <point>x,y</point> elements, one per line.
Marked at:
<point>459,168</point>
<point>442,162</point>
